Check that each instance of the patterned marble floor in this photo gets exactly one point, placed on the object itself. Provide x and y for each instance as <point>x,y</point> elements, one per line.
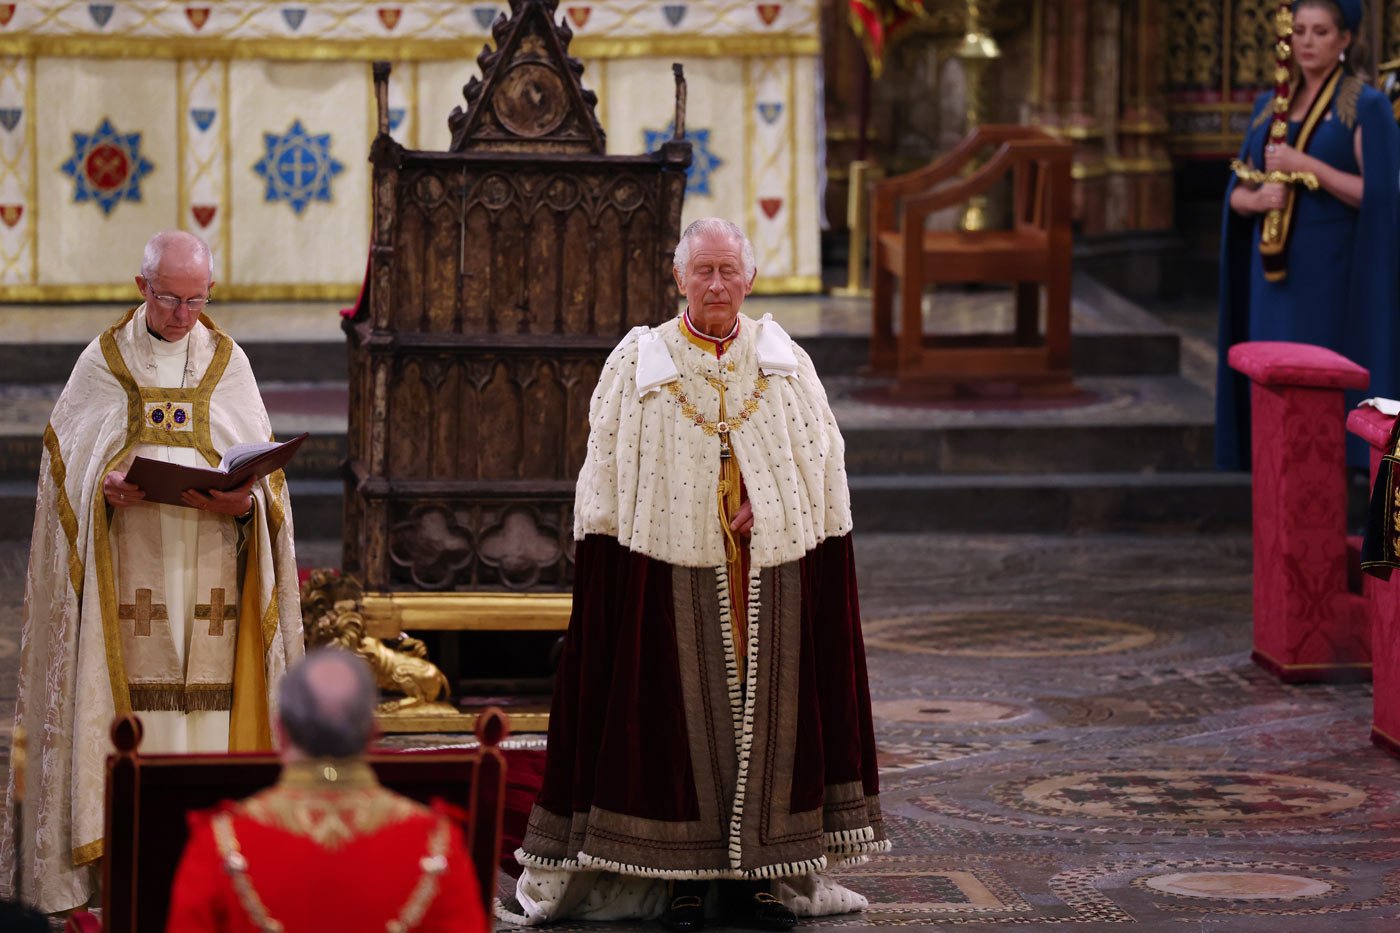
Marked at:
<point>1071,733</point>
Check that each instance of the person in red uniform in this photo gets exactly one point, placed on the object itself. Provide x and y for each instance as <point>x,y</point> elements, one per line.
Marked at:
<point>327,848</point>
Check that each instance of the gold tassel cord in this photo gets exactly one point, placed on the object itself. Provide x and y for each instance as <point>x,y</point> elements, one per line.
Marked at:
<point>728,493</point>
<point>729,504</point>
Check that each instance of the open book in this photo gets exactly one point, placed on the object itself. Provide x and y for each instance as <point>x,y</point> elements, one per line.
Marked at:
<point>165,482</point>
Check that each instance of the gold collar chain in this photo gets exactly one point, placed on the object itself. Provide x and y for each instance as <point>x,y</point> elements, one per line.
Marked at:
<point>722,427</point>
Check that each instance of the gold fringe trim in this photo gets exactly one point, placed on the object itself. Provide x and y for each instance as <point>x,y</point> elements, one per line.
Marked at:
<point>181,698</point>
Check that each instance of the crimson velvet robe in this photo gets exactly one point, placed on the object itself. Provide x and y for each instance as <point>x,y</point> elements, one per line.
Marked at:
<point>642,771</point>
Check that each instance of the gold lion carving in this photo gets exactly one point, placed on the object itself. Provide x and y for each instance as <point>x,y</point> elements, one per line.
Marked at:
<point>331,615</point>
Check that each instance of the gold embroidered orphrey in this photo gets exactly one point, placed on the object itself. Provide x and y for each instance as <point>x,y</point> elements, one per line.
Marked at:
<point>433,864</point>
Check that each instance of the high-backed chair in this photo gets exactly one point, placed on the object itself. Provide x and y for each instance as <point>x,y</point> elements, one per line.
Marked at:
<point>1032,255</point>
<point>149,796</point>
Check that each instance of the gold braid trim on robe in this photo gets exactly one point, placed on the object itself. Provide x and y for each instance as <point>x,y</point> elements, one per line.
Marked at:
<point>249,725</point>
<point>58,475</point>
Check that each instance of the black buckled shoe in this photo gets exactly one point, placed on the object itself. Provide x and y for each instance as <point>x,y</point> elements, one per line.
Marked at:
<point>686,914</point>
<point>766,912</point>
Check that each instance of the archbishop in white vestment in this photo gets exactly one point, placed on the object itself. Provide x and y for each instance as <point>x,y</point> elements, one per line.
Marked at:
<point>187,618</point>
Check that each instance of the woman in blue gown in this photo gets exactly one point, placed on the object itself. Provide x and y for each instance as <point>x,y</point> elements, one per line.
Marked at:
<point>1341,288</point>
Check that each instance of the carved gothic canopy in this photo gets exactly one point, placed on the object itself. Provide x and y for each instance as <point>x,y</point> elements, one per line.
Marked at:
<point>502,272</point>
<point>529,96</point>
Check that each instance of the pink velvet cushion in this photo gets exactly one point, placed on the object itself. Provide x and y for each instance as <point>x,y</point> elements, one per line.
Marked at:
<point>81,921</point>
<point>1371,426</point>
<point>1276,363</point>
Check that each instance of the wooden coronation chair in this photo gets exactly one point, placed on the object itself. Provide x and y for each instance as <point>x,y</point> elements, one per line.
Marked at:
<point>149,796</point>
<point>1034,253</point>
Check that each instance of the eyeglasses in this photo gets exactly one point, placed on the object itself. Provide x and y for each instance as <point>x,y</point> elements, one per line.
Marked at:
<point>171,302</point>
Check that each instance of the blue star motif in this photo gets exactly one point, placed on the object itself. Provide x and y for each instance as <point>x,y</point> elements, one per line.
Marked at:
<point>107,167</point>
<point>298,167</point>
<point>702,160</point>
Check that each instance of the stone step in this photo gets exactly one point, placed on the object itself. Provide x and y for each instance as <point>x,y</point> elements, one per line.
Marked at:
<point>301,341</point>
<point>1053,503</point>
<point>1092,354</point>
<point>870,450</point>
<point>1050,503</point>
<point>1090,449</point>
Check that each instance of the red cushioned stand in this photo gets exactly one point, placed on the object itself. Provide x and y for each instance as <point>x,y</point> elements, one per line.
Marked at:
<point>1384,599</point>
<point>1310,619</point>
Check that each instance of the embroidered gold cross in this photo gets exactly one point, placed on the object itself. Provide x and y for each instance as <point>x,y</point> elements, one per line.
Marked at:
<point>142,612</point>
<point>214,611</point>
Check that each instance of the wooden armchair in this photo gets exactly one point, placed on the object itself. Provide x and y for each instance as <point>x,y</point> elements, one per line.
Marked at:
<point>1033,254</point>
<point>148,797</point>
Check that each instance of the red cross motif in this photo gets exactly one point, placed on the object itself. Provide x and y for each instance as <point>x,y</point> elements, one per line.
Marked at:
<point>106,167</point>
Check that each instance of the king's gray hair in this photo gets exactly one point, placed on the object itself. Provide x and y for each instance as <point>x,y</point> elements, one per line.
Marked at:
<point>721,227</point>
<point>328,723</point>
<point>158,244</point>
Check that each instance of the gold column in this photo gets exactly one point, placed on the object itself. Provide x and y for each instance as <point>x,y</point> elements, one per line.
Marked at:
<point>978,49</point>
<point>862,173</point>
